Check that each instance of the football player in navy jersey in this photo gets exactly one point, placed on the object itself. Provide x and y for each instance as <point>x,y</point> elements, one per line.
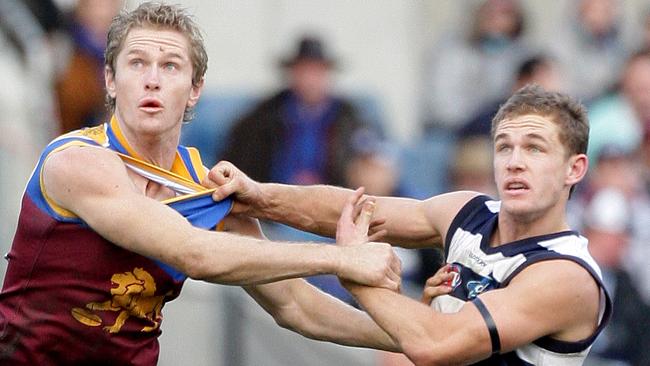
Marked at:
<point>522,287</point>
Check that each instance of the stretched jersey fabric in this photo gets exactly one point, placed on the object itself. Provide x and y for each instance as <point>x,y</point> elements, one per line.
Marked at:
<point>479,268</point>
<point>70,297</point>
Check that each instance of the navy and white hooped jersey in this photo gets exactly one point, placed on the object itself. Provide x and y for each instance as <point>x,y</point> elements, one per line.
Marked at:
<point>479,268</point>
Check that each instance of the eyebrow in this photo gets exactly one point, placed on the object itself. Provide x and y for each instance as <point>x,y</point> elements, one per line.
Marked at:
<point>536,136</point>
<point>500,136</point>
<point>175,55</point>
<point>134,51</point>
<point>170,54</point>
<point>531,136</point>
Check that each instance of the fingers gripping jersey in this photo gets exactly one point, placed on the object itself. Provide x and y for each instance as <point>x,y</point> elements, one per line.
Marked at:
<point>71,297</point>
<point>479,268</point>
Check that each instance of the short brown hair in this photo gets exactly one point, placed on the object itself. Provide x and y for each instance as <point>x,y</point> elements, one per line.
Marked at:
<point>162,16</point>
<point>568,113</point>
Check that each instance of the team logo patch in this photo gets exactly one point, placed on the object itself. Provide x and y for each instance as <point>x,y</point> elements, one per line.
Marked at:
<point>476,288</point>
<point>132,296</point>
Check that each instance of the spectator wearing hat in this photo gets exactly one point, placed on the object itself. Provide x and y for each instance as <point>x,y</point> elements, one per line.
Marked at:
<point>300,135</point>
<point>303,134</point>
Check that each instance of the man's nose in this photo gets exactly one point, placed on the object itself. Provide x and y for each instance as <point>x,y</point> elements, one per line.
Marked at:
<point>152,79</point>
<point>515,161</point>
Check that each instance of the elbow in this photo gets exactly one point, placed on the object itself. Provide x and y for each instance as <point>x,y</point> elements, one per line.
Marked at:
<point>195,263</point>
<point>196,272</point>
<point>290,317</point>
<point>462,348</point>
<point>423,354</point>
<point>201,270</point>
<point>284,318</point>
<point>418,355</point>
<point>192,265</point>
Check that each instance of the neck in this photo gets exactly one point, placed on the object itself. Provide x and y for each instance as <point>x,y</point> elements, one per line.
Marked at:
<point>155,147</point>
<point>511,227</point>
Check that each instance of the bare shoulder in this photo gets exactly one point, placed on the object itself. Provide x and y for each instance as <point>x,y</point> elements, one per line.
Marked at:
<point>70,174</point>
<point>555,298</point>
<point>563,292</point>
<point>442,209</point>
<point>559,274</point>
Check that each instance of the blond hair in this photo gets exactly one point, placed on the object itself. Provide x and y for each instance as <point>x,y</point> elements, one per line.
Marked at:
<point>161,16</point>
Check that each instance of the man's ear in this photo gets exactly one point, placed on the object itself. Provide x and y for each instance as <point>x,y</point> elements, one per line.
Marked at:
<point>576,169</point>
<point>195,93</point>
<point>109,80</point>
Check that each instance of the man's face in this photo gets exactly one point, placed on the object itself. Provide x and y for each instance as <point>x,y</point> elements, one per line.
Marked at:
<point>532,172</point>
<point>152,83</point>
<point>636,86</point>
<point>498,17</point>
<point>310,79</point>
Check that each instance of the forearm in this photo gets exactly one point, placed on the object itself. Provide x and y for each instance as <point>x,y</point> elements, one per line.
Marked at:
<point>310,208</point>
<point>425,336</point>
<point>387,310</point>
<point>292,304</point>
<point>317,209</point>
<point>234,259</point>
<point>218,257</point>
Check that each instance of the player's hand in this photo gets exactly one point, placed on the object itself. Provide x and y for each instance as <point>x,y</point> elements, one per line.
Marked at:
<point>438,284</point>
<point>370,264</point>
<point>229,180</point>
<point>356,218</point>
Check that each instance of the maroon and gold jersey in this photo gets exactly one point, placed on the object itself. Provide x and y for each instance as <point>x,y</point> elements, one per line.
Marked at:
<point>70,297</point>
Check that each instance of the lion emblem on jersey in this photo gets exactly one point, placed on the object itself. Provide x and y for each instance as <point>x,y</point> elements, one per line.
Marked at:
<point>133,295</point>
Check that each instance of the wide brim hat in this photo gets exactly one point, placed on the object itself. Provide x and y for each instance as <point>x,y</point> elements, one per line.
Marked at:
<point>310,48</point>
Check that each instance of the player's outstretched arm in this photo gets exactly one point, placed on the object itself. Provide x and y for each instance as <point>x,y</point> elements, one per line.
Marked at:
<point>403,221</point>
<point>302,308</point>
<point>527,309</point>
<point>298,306</point>
<point>524,311</point>
<point>93,184</point>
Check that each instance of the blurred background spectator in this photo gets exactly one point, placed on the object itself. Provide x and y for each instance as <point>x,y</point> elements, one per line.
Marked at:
<point>374,165</point>
<point>301,134</point>
<point>607,223</point>
<point>538,69</point>
<point>644,158</point>
<point>80,85</point>
<point>307,134</point>
<point>472,166</point>
<point>472,68</point>
<point>29,39</point>
<point>645,30</point>
<point>618,168</point>
<point>591,46</point>
<point>622,116</point>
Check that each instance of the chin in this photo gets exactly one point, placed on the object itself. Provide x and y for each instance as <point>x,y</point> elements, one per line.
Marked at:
<point>153,123</point>
<point>516,206</point>
<point>523,211</point>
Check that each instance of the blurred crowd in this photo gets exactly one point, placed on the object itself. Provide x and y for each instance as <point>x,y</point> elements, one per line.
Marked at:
<point>305,133</point>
